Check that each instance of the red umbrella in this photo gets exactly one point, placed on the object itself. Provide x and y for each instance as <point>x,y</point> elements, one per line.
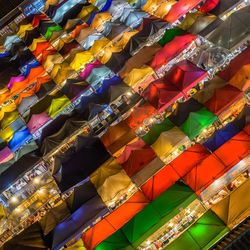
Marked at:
<point>235,65</point>
<point>208,6</point>
<point>138,159</point>
<point>139,114</point>
<point>161,95</point>
<point>223,98</point>
<point>171,50</point>
<point>181,8</point>
<point>185,75</point>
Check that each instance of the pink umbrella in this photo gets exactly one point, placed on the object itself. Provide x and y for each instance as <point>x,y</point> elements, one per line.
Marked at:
<point>88,68</point>
<point>6,155</point>
<point>37,121</point>
<point>15,79</point>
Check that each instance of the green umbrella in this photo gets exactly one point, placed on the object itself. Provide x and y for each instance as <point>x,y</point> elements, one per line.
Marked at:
<point>50,31</point>
<point>156,130</point>
<point>170,35</point>
<point>202,235</point>
<point>197,121</point>
<point>157,213</point>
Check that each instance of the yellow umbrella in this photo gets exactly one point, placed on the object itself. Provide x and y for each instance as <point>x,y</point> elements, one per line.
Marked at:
<point>236,207</point>
<point>99,45</point>
<point>168,142</point>
<point>57,105</point>
<point>100,19</point>
<point>111,181</point>
<point>23,29</point>
<point>79,245</point>
<point>33,46</point>
<point>86,10</point>
<point>81,59</point>
<point>9,118</point>
<point>137,76</point>
<point>61,72</point>
<point>151,6</point>
<point>6,109</point>
<point>7,134</point>
<point>51,60</point>
<point>164,8</point>
<point>241,79</point>
<point>107,53</point>
<point>50,2</point>
<point>190,20</point>
<point>125,39</point>
<point>2,212</point>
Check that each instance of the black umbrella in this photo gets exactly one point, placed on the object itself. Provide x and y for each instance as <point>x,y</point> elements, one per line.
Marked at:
<point>223,6</point>
<point>30,35</point>
<point>117,60</point>
<point>79,161</point>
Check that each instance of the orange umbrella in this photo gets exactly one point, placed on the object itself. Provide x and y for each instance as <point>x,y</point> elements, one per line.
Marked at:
<point>241,79</point>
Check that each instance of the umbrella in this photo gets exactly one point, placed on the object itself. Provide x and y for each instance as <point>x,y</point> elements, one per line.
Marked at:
<point>183,110</point>
<point>80,59</point>
<point>171,50</point>
<point>161,95</point>
<point>110,181</point>
<point>156,130</point>
<point>209,5</point>
<point>37,120</point>
<point>201,23</point>
<point>241,79</point>
<point>232,31</point>
<point>168,142</point>
<point>179,9</point>
<point>135,18</point>
<point>197,122</point>
<point>190,19</point>
<point>100,19</point>
<point>57,105</point>
<point>223,98</point>
<point>206,232</point>
<point>185,76</point>
<point>79,161</point>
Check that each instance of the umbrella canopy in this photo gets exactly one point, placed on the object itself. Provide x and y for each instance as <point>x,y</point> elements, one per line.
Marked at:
<point>168,142</point>
<point>241,79</point>
<point>208,230</point>
<point>197,122</point>
<point>69,127</point>
<point>234,150</point>
<point>160,182</point>
<point>185,76</point>
<point>80,59</point>
<point>185,162</point>
<point>201,23</point>
<point>171,50</point>
<point>97,75</point>
<point>236,64</point>
<point>221,136</point>
<point>111,181</point>
<point>30,239</point>
<point>209,5</point>
<point>139,114</point>
<point>161,95</point>
<point>170,34</point>
<point>182,111</point>
<point>57,105</point>
<point>235,207</point>
<point>137,157</point>
<point>198,179</point>
<point>223,98</point>
<point>19,138</point>
<point>153,216</point>
<point>117,136</point>
<point>232,31</point>
<point>180,9</point>
<point>156,130</point>
<point>37,121</point>
<point>115,220</point>
<point>190,19</point>
<point>79,161</point>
